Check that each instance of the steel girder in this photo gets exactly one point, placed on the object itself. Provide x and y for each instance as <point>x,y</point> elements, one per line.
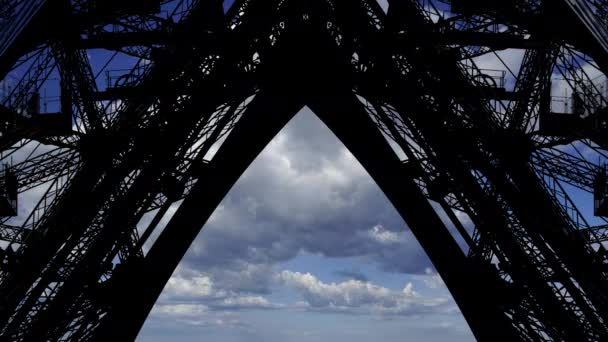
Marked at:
<point>533,268</point>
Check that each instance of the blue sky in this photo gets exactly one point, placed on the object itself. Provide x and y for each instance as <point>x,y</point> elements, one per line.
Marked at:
<point>305,247</point>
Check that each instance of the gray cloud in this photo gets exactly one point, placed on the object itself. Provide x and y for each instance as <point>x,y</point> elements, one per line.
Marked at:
<point>305,192</point>
<point>191,293</point>
<point>351,274</point>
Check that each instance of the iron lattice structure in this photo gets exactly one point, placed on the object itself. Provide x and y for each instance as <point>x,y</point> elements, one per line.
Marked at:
<point>109,110</point>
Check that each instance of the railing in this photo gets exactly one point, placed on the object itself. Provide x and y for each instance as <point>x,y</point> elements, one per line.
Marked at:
<point>599,85</point>
<point>561,104</point>
<point>487,77</point>
<point>587,97</point>
<point>16,96</point>
<point>123,77</point>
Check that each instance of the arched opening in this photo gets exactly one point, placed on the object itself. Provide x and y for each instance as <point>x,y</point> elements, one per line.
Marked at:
<point>305,247</point>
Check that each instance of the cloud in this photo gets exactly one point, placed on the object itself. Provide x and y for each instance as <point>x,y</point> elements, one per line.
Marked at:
<point>191,293</point>
<point>384,236</point>
<point>197,290</point>
<point>351,274</point>
<point>431,279</point>
<point>184,310</point>
<point>195,315</point>
<point>354,296</point>
<point>247,302</point>
<point>304,193</point>
<point>350,293</point>
<point>197,286</point>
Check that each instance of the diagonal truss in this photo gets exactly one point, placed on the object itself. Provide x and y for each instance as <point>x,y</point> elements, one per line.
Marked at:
<point>490,151</point>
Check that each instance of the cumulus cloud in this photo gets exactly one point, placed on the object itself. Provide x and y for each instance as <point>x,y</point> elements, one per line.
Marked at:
<point>304,193</point>
<point>190,294</point>
<point>384,236</point>
<point>196,286</point>
<point>191,289</point>
<point>350,293</point>
<point>355,296</point>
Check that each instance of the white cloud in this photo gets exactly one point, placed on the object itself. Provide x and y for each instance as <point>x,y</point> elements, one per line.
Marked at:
<point>248,302</point>
<point>354,296</point>
<point>380,234</point>
<point>192,290</point>
<point>182,310</point>
<point>198,286</point>
<point>195,315</point>
<point>431,279</point>
<point>191,293</point>
<point>408,290</point>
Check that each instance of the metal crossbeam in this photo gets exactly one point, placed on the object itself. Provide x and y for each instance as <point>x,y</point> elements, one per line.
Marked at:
<point>533,268</point>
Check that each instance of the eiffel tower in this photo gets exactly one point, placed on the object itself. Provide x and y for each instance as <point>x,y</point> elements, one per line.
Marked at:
<point>109,110</point>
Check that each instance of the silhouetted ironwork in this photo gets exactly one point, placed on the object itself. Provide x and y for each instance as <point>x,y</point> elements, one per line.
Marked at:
<point>502,175</point>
